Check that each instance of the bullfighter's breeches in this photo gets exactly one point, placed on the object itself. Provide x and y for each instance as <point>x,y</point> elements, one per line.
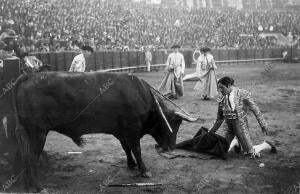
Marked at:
<point>240,129</point>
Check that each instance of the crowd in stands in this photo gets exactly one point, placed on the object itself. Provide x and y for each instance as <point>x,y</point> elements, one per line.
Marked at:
<point>55,25</point>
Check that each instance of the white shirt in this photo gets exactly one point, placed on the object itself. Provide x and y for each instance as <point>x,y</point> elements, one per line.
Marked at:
<point>231,98</point>
<point>176,60</point>
<point>78,63</point>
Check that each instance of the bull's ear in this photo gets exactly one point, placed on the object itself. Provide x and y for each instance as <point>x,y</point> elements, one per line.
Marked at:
<point>186,117</point>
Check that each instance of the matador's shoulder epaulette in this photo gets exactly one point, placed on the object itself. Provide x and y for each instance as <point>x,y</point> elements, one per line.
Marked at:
<point>244,94</point>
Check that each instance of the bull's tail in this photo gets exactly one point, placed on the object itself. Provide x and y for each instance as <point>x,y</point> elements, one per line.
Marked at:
<point>20,133</point>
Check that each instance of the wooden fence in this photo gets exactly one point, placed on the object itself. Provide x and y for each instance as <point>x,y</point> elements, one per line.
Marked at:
<point>100,60</point>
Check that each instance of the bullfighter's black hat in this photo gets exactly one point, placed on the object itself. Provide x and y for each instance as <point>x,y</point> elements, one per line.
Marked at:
<point>175,46</point>
<point>87,48</point>
<point>205,49</point>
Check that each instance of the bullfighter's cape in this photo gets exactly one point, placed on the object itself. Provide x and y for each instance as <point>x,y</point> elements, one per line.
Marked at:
<point>204,142</point>
<point>171,84</point>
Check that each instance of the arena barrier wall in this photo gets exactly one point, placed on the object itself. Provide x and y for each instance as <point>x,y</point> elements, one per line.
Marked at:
<point>104,60</point>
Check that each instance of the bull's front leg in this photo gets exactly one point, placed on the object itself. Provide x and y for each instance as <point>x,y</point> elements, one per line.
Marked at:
<point>130,161</point>
<point>136,149</point>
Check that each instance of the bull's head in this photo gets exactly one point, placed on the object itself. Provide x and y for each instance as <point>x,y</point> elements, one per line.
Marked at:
<point>167,125</point>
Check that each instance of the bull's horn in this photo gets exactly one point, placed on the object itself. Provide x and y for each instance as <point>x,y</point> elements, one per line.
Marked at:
<point>186,117</point>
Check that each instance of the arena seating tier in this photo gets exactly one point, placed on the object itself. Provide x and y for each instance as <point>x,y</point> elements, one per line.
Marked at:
<point>54,25</point>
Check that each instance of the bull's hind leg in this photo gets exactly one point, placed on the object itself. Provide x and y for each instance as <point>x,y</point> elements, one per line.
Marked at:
<point>38,140</point>
<point>27,158</point>
<point>130,161</point>
<point>136,149</point>
<point>31,145</point>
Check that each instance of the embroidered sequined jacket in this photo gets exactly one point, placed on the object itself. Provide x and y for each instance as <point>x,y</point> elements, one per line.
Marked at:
<point>243,105</point>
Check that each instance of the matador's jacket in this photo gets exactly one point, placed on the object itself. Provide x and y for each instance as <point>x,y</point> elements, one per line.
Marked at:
<point>235,115</point>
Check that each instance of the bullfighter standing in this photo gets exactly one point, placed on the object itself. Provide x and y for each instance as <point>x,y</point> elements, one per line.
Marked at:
<point>79,61</point>
<point>148,58</point>
<point>207,85</point>
<point>172,83</point>
<point>234,104</point>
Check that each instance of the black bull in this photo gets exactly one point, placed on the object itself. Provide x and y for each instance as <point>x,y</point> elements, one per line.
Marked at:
<point>75,104</point>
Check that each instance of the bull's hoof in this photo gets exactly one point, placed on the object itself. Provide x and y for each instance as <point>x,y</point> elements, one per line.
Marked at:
<point>147,174</point>
<point>131,165</point>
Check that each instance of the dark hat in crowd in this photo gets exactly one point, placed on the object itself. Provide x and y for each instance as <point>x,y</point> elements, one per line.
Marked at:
<point>205,49</point>
<point>87,48</point>
<point>11,33</point>
<point>8,33</point>
<point>175,46</point>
